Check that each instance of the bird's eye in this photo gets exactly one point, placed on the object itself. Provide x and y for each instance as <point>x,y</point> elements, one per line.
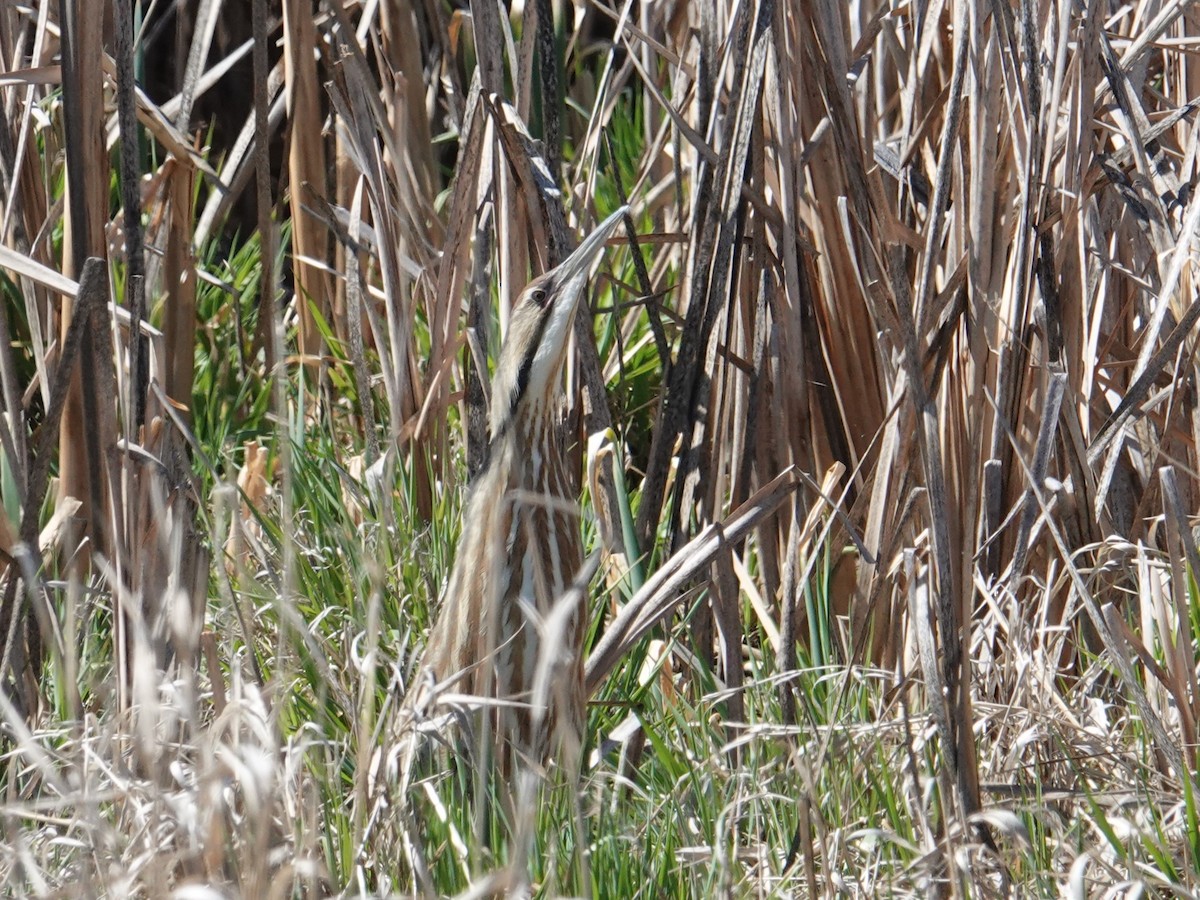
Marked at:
<point>538,296</point>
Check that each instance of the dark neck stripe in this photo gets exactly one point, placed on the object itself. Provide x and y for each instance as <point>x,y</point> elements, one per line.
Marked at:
<point>527,366</point>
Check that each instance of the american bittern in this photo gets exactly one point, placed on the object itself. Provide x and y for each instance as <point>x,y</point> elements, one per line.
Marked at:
<point>508,607</point>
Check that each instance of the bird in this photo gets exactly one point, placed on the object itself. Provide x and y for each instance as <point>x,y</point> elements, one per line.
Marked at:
<point>509,635</point>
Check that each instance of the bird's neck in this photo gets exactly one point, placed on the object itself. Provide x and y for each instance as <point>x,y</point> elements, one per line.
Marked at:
<point>533,447</point>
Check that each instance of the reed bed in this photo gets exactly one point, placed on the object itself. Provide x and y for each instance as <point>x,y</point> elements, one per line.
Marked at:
<point>887,420</point>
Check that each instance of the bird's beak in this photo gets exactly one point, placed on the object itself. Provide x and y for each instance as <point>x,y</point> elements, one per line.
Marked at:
<point>573,271</point>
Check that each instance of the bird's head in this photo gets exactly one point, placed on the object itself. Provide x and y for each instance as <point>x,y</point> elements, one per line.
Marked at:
<point>539,330</point>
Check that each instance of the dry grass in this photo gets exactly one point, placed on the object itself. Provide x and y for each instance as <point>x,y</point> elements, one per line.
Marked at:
<point>888,438</point>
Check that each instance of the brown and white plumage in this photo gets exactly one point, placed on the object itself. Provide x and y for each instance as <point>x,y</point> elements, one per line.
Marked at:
<point>508,608</point>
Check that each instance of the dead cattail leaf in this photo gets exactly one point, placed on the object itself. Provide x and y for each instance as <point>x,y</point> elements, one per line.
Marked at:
<point>657,664</point>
